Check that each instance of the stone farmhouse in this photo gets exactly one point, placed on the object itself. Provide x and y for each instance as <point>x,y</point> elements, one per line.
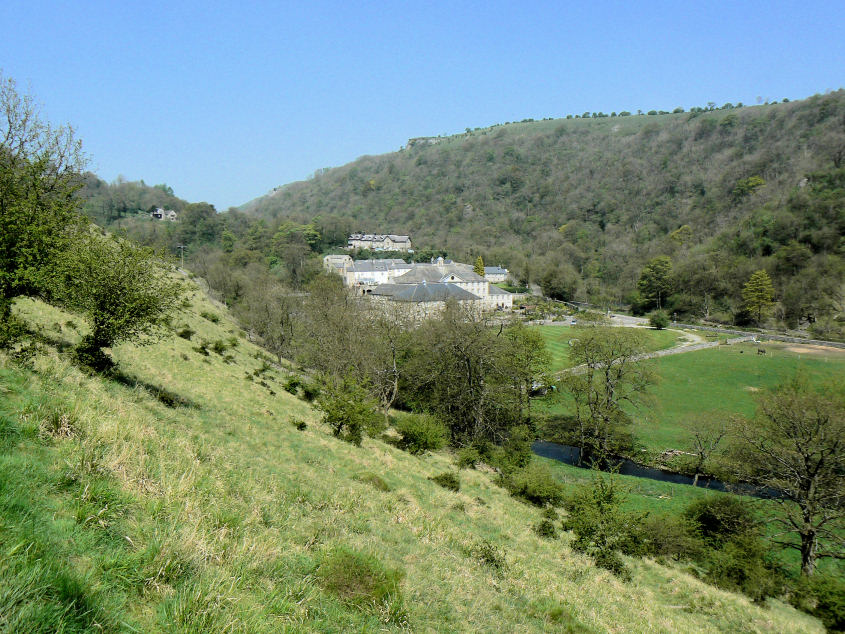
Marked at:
<point>379,242</point>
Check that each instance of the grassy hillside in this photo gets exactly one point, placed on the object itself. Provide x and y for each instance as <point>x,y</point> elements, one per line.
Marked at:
<point>181,498</point>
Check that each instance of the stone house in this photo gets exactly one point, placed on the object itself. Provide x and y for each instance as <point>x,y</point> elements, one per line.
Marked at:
<point>379,242</point>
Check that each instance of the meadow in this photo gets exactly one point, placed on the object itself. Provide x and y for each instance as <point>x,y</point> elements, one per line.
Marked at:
<point>184,497</point>
<point>719,382</point>
<point>557,342</point>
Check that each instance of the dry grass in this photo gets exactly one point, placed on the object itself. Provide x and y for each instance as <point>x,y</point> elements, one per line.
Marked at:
<point>217,518</point>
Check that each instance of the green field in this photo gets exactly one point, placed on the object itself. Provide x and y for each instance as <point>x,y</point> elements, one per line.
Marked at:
<point>557,342</point>
<point>722,380</point>
<point>121,510</point>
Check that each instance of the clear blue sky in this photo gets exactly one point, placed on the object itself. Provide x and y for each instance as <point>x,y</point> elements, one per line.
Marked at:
<point>224,101</point>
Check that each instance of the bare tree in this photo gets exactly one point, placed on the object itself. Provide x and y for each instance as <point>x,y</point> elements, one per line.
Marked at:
<point>607,378</point>
<point>707,431</point>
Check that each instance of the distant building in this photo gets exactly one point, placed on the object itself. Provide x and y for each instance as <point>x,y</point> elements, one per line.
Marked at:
<point>495,274</point>
<point>164,214</point>
<point>423,287</point>
<point>337,263</point>
<point>423,140</point>
<point>423,300</point>
<point>379,242</point>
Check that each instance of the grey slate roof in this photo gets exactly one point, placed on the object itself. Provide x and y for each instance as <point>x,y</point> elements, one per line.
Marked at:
<point>386,290</point>
<point>495,270</point>
<point>431,293</point>
<point>438,273</point>
<point>369,266</point>
<point>378,237</point>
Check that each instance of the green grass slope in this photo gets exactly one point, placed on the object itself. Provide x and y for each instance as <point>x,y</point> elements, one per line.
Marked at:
<point>182,499</point>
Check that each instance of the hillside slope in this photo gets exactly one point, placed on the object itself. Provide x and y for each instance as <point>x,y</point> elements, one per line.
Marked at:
<point>181,498</point>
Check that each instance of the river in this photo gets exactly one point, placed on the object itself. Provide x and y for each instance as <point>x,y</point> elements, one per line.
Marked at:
<point>570,455</point>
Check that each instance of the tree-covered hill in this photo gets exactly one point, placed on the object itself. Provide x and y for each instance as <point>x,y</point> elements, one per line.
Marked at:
<point>586,202</point>
<point>675,211</point>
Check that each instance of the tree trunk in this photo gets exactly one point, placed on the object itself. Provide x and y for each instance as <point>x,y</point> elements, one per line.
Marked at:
<point>695,479</point>
<point>808,553</point>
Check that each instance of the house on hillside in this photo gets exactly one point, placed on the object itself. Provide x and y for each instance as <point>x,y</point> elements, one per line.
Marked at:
<point>337,264</point>
<point>495,274</point>
<point>379,242</point>
<point>164,214</point>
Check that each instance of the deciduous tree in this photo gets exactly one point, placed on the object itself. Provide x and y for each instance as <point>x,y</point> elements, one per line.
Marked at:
<point>121,288</point>
<point>40,167</point>
<point>605,379</point>
<point>655,282</point>
<point>796,446</point>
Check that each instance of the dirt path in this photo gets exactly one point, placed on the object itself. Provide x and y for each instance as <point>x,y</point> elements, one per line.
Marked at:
<point>689,346</point>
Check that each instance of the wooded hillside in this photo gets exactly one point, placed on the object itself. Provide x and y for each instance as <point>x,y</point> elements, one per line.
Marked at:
<point>674,211</point>
<point>592,200</point>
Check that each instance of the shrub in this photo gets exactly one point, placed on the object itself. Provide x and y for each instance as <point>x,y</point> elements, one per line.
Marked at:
<point>550,513</point>
<point>219,346</point>
<point>740,565</point>
<point>421,433</point>
<point>292,384</point>
<point>349,411</point>
<point>735,557</point>
<point>489,555</point>
<point>448,480</point>
<point>516,451</point>
<point>212,317</point>
<point>310,391</point>
<point>602,529</point>
<point>534,484</point>
<point>357,578</point>
<point>670,536</point>
<point>202,348</point>
<point>299,424</point>
<point>822,596</point>
<point>468,457</point>
<point>546,529</point>
<point>721,518</point>
<point>185,332</point>
<point>658,319</point>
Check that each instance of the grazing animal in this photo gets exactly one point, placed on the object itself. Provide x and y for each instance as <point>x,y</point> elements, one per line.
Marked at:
<point>761,351</point>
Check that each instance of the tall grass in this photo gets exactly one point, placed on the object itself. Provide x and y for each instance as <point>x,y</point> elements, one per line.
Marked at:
<point>137,515</point>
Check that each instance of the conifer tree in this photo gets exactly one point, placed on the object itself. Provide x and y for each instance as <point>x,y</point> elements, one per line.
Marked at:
<point>758,294</point>
<point>479,266</point>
